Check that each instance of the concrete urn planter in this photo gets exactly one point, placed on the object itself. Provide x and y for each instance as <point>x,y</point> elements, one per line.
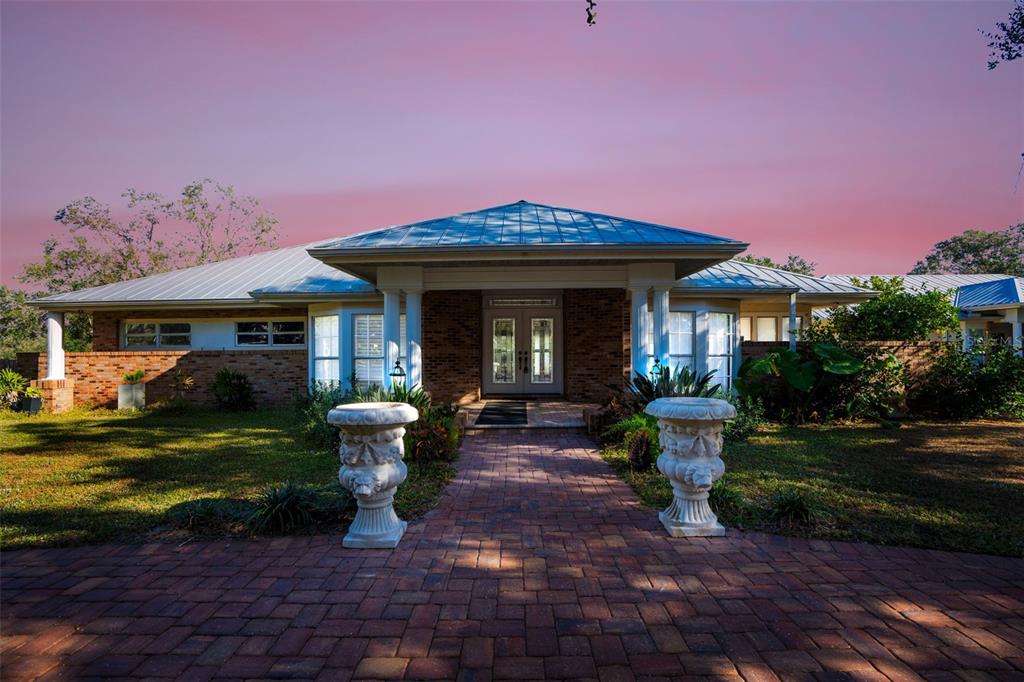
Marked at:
<point>690,439</point>
<point>131,396</point>
<point>372,468</point>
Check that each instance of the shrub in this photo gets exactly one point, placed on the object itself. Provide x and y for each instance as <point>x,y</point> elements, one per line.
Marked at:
<point>894,315</point>
<point>313,409</point>
<point>791,507</point>
<point>664,382</point>
<point>641,448</point>
<point>282,508</point>
<point>723,498</point>
<point>211,514</point>
<point>749,418</point>
<point>618,431</point>
<point>232,390</point>
<point>133,377</point>
<point>12,386</point>
<point>435,436</point>
<point>986,380</point>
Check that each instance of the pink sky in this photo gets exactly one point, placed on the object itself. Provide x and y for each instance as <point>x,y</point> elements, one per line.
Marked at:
<point>855,134</point>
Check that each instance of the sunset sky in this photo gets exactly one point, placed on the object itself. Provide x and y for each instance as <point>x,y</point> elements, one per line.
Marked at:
<point>855,134</point>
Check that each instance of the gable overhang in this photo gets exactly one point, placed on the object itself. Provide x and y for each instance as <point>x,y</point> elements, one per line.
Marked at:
<point>686,260</point>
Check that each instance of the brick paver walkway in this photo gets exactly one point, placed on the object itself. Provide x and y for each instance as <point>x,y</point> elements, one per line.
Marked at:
<point>539,563</point>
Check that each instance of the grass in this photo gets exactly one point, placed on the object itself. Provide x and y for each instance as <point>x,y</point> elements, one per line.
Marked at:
<point>95,475</point>
<point>954,486</point>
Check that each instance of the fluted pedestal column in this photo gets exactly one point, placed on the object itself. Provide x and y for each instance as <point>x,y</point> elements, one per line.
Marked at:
<point>372,468</point>
<point>690,438</point>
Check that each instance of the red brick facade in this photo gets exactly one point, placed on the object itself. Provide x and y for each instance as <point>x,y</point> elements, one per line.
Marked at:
<point>452,344</point>
<point>106,324</point>
<point>596,324</point>
<point>277,376</point>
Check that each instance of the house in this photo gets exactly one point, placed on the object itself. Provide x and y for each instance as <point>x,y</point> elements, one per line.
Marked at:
<point>990,305</point>
<point>519,299</point>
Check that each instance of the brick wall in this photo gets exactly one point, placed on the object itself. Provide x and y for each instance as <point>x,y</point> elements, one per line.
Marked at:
<point>916,357</point>
<point>452,344</point>
<point>277,376</point>
<point>106,324</point>
<point>596,324</point>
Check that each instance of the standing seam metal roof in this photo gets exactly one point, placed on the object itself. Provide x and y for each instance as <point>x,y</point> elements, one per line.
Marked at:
<point>524,223</point>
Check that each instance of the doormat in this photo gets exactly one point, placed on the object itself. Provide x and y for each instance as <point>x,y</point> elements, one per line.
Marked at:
<point>503,413</point>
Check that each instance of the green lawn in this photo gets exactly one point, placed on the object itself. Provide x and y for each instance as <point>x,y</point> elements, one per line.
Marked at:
<point>944,486</point>
<point>93,476</point>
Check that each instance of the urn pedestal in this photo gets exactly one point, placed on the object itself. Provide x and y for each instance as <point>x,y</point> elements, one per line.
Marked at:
<point>372,468</point>
<point>690,439</point>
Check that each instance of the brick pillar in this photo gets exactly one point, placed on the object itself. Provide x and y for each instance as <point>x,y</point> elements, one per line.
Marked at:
<point>58,394</point>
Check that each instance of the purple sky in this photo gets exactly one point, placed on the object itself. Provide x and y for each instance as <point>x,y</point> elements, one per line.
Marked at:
<point>855,134</point>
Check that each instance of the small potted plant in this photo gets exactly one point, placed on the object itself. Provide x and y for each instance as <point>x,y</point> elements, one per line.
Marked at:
<point>32,400</point>
<point>131,395</point>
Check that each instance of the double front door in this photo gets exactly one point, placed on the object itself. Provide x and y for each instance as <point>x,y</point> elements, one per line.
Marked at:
<point>522,352</point>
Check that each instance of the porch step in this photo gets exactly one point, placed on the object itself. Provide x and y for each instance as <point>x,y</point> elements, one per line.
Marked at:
<point>521,430</point>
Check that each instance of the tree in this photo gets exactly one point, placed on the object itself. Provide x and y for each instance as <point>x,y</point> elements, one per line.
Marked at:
<point>208,222</point>
<point>793,263</point>
<point>894,315</point>
<point>1007,42</point>
<point>977,252</point>
<point>21,326</point>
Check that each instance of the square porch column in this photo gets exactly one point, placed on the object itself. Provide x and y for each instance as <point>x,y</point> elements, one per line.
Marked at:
<point>792,321</point>
<point>54,346</point>
<point>638,330</point>
<point>661,325</point>
<point>414,334</point>
<point>392,332</point>
<point>1018,334</point>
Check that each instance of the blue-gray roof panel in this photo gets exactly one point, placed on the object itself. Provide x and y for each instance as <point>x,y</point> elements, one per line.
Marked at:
<point>524,223</point>
<point>1008,292</point>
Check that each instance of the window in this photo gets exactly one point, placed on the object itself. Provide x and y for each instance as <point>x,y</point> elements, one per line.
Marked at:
<point>157,334</point>
<point>326,350</point>
<point>720,347</point>
<point>680,340</point>
<point>745,328</point>
<point>766,329</point>
<point>266,333</point>
<point>368,348</point>
<point>785,326</point>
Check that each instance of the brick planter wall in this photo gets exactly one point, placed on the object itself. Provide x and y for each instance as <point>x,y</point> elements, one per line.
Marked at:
<point>596,324</point>
<point>452,344</point>
<point>276,376</point>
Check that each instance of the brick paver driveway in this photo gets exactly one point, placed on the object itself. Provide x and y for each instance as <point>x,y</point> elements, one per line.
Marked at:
<point>539,563</point>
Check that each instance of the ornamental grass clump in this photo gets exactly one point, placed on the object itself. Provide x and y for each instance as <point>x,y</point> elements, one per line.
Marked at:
<point>793,508</point>
<point>282,508</point>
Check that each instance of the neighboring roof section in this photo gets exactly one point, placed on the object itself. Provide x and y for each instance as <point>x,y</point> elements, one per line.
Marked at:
<point>1000,293</point>
<point>920,283</point>
<point>741,276</point>
<point>524,223</point>
<point>228,281</point>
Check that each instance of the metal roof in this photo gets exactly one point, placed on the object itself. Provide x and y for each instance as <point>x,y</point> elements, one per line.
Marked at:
<point>733,274</point>
<point>226,281</point>
<point>921,283</point>
<point>1000,293</point>
<point>525,223</point>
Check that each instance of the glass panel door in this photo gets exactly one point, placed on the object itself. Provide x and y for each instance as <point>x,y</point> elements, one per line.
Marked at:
<point>503,344</point>
<point>542,337</point>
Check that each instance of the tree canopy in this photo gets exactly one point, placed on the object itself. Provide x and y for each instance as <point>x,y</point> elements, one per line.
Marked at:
<point>150,234</point>
<point>976,252</point>
<point>894,315</point>
<point>1007,41</point>
<point>793,263</point>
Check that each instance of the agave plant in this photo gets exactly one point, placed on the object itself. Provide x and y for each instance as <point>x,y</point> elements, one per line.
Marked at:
<point>12,386</point>
<point>664,382</point>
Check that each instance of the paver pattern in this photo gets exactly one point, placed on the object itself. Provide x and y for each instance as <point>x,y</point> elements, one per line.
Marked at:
<point>539,563</point>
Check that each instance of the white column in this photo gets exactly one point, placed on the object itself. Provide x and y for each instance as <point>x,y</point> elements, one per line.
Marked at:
<point>1018,335</point>
<point>638,329</point>
<point>414,333</point>
<point>392,333</point>
<point>661,324</point>
<point>54,345</point>
<point>792,321</point>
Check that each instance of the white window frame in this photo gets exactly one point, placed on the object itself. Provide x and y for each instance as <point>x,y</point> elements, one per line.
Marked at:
<point>775,323</point>
<point>158,333</point>
<point>352,357</point>
<point>730,346</point>
<point>315,346</point>
<point>675,359</point>
<point>270,322</point>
